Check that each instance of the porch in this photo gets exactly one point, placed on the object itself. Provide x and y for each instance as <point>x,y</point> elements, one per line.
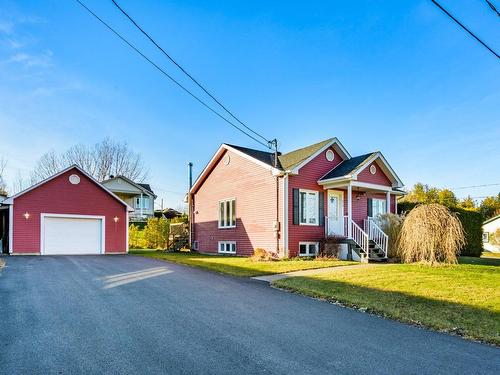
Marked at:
<point>351,211</point>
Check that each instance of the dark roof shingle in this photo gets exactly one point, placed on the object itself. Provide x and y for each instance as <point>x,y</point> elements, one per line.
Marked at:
<point>263,156</point>
<point>346,167</point>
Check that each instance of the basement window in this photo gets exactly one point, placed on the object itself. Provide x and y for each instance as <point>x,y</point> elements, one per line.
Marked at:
<point>308,249</point>
<point>227,247</point>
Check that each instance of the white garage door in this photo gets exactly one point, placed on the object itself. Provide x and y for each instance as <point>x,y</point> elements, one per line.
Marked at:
<point>71,235</point>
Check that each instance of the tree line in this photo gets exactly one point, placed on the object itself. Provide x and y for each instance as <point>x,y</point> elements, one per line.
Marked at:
<point>421,193</point>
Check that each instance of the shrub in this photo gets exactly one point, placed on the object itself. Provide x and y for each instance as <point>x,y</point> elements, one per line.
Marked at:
<point>472,225</point>
<point>135,237</point>
<point>431,233</point>
<point>156,233</point>
<point>329,248</point>
<point>391,224</point>
<point>262,255</point>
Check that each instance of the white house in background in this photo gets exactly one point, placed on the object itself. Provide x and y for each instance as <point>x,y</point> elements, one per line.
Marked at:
<point>138,195</point>
<point>489,228</point>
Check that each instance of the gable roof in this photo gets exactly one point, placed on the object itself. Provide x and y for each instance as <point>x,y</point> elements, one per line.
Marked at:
<point>346,167</point>
<point>10,200</point>
<point>263,156</point>
<point>292,158</point>
<point>491,219</point>
<point>350,169</point>
<point>146,188</point>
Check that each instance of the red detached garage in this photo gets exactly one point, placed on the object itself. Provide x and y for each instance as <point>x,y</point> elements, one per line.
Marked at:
<point>68,213</point>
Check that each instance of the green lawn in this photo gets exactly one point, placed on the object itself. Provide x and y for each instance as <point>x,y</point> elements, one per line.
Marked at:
<point>463,298</point>
<point>240,266</point>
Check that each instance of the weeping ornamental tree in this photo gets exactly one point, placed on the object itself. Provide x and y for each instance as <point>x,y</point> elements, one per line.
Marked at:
<point>431,233</point>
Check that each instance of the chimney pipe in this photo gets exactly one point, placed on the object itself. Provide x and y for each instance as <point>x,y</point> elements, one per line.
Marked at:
<point>190,174</point>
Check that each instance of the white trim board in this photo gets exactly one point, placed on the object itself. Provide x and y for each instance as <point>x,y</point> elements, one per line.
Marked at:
<point>334,142</point>
<point>10,200</point>
<point>220,151</point>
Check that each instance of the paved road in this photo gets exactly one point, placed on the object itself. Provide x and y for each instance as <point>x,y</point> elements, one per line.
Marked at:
<point>125,314</point>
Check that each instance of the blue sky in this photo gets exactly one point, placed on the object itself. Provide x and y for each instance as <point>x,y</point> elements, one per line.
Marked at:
<point>395,76</point>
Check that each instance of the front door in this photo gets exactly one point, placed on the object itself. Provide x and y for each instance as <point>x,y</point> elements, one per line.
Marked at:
<point>335,212</point>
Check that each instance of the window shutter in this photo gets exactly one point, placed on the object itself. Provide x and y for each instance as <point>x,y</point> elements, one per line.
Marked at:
<point>370,207</point>
<point>295,206</point>
<point>321,206</point>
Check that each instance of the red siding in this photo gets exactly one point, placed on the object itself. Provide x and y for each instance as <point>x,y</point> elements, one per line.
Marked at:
<point>59,196</point>
<point>378,178</point>
<point>307,179</point>
<point>254,188</point>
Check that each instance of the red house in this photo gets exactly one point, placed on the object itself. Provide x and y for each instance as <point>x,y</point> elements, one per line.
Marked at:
<point>68,213</point>
<point>246,199</point>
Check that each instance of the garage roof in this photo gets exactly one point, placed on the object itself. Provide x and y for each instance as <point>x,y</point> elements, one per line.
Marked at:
<point>10,200</point>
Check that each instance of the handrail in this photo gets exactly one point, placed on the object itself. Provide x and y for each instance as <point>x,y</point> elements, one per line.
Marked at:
<point>361,238</point>
<point>377,235</point>
<point>344,226</point>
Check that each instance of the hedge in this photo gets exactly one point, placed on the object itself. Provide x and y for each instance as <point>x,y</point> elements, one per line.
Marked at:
<point>471,221</point>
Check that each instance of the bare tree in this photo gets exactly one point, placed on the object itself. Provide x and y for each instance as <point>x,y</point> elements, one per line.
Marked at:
<point>101,160</point>
<point>3,164</point>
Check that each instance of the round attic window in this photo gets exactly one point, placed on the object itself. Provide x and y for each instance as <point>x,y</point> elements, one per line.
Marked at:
<point>74,179</point>
<point>373,169</point>
<point>227,160</point>
<point>330,155</point>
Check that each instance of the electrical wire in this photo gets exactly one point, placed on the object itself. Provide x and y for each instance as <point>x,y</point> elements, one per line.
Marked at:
<point>185,72</point>
<point>170,77</point>
<point>492,6</point>
<point>465,28</point>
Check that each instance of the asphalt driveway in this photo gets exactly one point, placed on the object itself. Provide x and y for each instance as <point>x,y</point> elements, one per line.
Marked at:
<point>125,314</point>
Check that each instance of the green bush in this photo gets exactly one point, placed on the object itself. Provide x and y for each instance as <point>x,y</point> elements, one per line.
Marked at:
<point>471,222</point>
<point>136,237</point>
<point>156,233</point>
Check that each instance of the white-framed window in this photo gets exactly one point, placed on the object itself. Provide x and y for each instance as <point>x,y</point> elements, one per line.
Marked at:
<point>308,249</point>
<point>227,213</point>
<point>142,202</point>
<point>379,207</point>
<point>308,207</point>
<point>227,247</point>
<point>330,155</point>
<point>196,245</point>
<point>486,237</point>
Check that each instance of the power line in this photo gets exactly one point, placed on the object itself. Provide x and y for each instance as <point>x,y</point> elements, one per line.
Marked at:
<point>465,28</point>
<point>186,73</point>
<point>169,76</point>
<point>473,186</point>
<point>493,8</point>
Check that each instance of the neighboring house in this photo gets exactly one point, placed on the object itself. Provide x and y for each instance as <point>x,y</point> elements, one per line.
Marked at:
<point>140,196</point>
<point>490,226</point>
<point>168,213</point>
<point>243,200</point>
<point>68,213</point>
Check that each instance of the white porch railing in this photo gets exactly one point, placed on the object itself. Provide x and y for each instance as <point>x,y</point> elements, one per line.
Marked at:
<point>361,236</point>
<point>377,235</point>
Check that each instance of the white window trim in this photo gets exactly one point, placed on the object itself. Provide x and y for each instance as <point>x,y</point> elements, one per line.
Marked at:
<point>220,222</point>
<point>300,207</point>
<point>384,203</point>
<point>142,200</point>
<point>316,244</point>
<point>225,245</point>
<point>196,245</point>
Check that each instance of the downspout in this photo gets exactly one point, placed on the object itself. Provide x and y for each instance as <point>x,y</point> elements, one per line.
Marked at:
<point>190,204</point>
